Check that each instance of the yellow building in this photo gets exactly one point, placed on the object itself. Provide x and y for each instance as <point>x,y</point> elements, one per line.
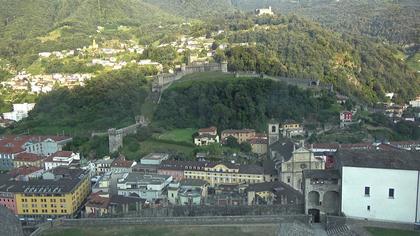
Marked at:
<point>28,159</point>
<point>59,194</point>
<point>217,174</point>
<point>242,135</point>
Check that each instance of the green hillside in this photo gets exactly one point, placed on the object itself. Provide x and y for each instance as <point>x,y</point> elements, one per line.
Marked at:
<point>194,8</point>
<point>294,47</point>
<point>32,26</point>
<point>110,100</point>
<point>393,20</point>
<point>240,103</point>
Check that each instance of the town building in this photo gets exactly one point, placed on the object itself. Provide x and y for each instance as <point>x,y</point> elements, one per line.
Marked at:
<point>321,190</point>
<point>241,136</point>
<point>226,173</point>
<point>176,168</point>
<point>121,165</point>
<point>292,169</point>
<point>188,192</point>
<point>154,158</point>
<point>259,145</point>
<point>60,193</point>
<point>264,11</point>
<point>415,102</point>
<point>103,165</point>
<point>291,128</point>
<point>215,173</point>
<point>346,118</point>
<point>97,205</point>
<point>12,145</point>
<point>380,185</point>
<point>206,136</point>
<point>61,158</point>
<point>148,187</point>
<point>270,193</point>
<point>28,159</point>
<point>7,195</point>
<point>26,173</point>
<point>20,111</point>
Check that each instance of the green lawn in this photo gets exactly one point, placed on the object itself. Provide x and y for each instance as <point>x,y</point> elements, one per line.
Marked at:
<point>390,232</point>
<point>153,145</point>
<point>184,230</point>
<point>179,135</point>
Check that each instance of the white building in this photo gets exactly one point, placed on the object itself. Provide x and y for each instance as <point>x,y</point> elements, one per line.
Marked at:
<point>206,136</point>
<point>61,158</point>
<point>380,185</point>
<point>20,111</point>
<point>149,187</point>
<point>264,11</point>
<point>415,103</point>
<point>154,158</point>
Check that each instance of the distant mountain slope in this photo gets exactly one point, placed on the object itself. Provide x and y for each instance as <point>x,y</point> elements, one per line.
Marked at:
<point>394,20</point>
<point>27,18</point>
<point>194,8</point>
<point>294,47</point>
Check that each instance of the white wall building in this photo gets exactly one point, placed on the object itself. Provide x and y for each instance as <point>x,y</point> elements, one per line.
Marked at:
<point>20,111</point>
<point>380,185</point>
<point>60,158</point>
<point>154,158</point>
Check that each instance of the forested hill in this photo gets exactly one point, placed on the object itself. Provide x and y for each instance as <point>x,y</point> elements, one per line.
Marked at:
<point>293,47</point>
<point>28,18</point>
<point>240,103</point>
<point>110,100</point>
<point>392,20</point>
<point>194,8</point>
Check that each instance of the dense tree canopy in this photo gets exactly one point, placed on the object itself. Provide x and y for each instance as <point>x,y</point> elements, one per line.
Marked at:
<point>240,103</point>
<point>110,100</point>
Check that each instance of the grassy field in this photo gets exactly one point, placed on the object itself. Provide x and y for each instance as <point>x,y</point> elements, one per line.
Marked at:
<point>185,230</point>
<point>153,145</point>
<point>178,135</point>
<point>390,232</point>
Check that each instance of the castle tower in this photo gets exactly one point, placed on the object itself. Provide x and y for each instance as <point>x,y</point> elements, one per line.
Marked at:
<point>115,140</point>
<point>273,131</point>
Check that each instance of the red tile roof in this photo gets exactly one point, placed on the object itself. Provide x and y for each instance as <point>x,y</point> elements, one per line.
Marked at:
<point>13,144</point>
<point>208,130</point>
<point>28,157</point>
<point>121,162</point>
<point>62,154</point>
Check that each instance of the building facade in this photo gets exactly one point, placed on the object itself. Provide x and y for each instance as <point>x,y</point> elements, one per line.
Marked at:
<point>206,136</point>
<point>379,185</point>
<point>302,159</point>
<point>242,135</point>
<point>51,198</point>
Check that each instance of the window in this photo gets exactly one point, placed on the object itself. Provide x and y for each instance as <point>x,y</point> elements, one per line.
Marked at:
<point>391,193</point>
<point>368,208</point>
<point>367,191</point>
<point>273,129</point>
<point>288,179</point>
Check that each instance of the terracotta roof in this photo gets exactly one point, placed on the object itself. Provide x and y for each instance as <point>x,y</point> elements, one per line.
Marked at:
<point>208,130</point>
<point>13,144</point>
<point>62,154</point>
<point>258,141</point>
<point>95,200</point>
<point>28,157</point>
<point>229,131</point>
<point>121,162</point>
